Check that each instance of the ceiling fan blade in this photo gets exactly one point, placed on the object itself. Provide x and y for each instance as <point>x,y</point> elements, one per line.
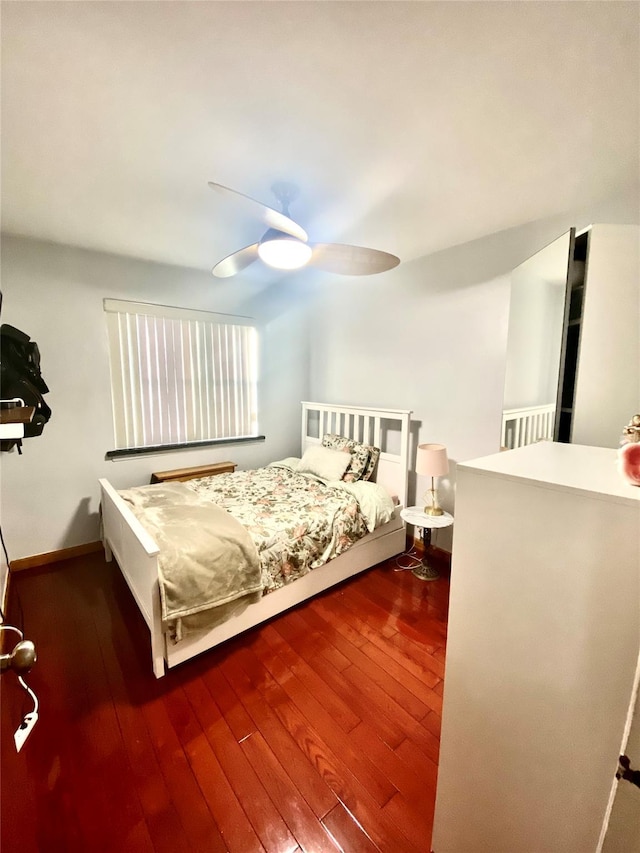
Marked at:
<point>350,260</point>
<point>270,217</point>
<point>235,263</point>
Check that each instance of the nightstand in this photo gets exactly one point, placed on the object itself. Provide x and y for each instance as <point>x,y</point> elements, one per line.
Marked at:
<point>182,474</point>
<point>416,516</point>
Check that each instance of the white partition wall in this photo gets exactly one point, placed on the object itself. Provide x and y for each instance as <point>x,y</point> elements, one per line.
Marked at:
<point>543,640</point>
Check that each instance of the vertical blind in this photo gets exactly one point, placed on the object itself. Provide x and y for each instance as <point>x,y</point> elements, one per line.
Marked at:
<point>180,376</point>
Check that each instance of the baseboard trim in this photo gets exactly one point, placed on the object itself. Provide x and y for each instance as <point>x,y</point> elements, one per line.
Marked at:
<point>419,546</point>
<point>438,553</point>
<point>39,560</point>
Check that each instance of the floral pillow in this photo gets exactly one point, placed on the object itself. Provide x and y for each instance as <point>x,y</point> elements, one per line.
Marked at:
<point>360,455</point>
<point>374,455</point>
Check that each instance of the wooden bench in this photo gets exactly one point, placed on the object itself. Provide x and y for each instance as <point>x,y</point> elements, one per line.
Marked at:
<point>182,474</point>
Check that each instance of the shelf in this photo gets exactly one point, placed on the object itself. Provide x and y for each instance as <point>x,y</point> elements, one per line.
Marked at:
<point>17,415</point>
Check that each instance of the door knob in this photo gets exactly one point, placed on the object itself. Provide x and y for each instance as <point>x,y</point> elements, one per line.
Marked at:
<point>625,771</point>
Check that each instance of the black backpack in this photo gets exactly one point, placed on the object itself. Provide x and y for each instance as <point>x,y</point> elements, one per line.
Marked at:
<point>20,377</point>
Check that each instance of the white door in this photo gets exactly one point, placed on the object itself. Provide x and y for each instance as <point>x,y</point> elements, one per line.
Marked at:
<point>621,829</point>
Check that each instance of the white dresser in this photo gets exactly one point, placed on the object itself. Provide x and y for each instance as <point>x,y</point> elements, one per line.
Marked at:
<point>543,643</point>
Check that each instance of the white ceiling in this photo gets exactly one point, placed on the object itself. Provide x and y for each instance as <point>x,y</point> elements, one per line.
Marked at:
<point>408,126</point>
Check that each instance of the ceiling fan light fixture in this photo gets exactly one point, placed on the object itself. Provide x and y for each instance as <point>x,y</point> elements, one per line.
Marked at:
<point>284,245</point>
<point>283,252</point>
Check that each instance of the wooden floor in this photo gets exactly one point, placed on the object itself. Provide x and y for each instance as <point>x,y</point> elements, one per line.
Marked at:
<point>318,731</point>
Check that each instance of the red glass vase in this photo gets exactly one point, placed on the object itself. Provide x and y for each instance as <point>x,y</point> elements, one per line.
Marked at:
<point>629,462</point>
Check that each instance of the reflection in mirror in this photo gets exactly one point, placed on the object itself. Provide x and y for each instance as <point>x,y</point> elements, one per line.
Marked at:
<point>534,344</point>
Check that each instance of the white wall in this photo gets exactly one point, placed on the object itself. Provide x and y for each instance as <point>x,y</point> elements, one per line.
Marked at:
<point>54,294</point>
<point>428,336</point>
<point>431,336</point>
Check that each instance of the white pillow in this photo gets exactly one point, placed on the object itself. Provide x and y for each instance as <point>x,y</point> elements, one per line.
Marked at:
<point>324,463</point>
<point>290,462</point>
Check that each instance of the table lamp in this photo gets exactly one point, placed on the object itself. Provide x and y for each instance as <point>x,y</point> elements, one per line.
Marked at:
<point>432,461</point>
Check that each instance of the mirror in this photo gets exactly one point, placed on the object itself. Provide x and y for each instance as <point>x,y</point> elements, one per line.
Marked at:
<point>534,345</point>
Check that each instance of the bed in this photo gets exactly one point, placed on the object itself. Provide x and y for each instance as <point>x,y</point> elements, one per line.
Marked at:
<point>137,552</point>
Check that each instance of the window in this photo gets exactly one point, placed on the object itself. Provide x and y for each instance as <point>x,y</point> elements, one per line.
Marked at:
<point>180,376</point>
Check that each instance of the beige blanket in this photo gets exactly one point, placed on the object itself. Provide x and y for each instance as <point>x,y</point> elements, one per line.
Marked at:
<point>208,564</point>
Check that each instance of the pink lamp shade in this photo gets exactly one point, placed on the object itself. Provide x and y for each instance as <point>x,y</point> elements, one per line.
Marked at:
<point>431,460</point>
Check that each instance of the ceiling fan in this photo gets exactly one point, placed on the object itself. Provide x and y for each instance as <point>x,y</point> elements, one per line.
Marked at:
<point>284,245</point>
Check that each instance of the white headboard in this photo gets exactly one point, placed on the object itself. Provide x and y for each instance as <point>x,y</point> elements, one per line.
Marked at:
<point>387,429</point>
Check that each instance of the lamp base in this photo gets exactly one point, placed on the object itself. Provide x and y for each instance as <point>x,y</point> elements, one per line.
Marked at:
<point>425,572</point>
<point>433,510</point>
<point>433,507</point>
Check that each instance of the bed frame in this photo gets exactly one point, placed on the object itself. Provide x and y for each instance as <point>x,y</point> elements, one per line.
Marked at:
<point>137,553</point>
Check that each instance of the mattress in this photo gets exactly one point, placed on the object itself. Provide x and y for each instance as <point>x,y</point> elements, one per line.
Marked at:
<point>286,524</point>
<point>297,522</point>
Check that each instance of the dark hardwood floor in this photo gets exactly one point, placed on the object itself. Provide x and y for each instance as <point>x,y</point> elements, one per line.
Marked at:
<point>318,731</point>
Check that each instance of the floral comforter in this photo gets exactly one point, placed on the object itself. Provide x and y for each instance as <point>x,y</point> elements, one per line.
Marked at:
<point>296,521</point>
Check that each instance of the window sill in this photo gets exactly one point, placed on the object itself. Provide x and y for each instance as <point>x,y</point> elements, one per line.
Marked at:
<point>187,445</point>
